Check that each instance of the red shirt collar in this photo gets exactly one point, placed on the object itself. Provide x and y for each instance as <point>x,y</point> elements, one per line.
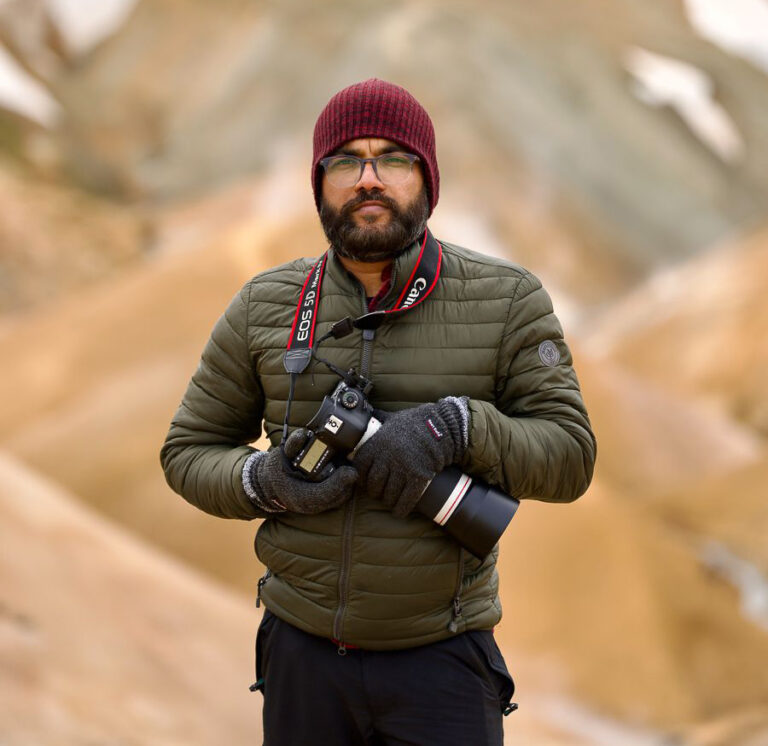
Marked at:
<point>386,285</point>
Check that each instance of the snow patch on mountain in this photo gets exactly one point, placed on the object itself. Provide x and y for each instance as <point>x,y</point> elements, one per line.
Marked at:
<point>751,583</point>
<point>84,23</point>
<point>21,93</point>
<point>665,81</point>
<point>740,27</point>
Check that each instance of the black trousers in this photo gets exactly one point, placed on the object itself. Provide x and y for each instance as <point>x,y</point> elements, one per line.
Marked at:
<point>448,693</point>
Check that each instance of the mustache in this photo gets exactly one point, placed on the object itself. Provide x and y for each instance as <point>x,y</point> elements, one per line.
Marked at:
<point>373,195</point>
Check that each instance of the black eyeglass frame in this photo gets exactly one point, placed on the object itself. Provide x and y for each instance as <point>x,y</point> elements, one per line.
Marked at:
<point>324,162</point>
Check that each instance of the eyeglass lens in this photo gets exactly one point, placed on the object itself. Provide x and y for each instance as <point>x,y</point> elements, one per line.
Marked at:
<point>390,168</point>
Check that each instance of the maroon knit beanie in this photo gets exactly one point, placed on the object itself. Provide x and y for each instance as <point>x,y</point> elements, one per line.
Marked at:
<point>375,108</point>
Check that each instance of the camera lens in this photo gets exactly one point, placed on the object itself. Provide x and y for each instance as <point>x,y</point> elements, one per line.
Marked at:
<point>349,399</point>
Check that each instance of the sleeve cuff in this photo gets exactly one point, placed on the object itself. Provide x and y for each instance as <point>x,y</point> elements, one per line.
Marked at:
<point>249,468</point>
<point>462,404</point>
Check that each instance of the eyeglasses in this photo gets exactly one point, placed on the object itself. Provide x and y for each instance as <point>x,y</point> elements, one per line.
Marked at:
<point>347,170</point>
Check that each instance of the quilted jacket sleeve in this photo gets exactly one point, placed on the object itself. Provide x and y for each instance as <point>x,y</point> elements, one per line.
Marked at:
<point>220,413</point>
<point>536,441</point>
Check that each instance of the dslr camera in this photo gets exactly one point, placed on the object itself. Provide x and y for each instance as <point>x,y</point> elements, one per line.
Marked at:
<point>474,513</point>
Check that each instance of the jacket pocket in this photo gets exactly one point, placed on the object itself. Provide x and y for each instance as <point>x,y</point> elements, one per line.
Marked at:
<point>485,644</point>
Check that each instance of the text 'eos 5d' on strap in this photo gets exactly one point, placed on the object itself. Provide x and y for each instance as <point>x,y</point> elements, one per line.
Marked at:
<point>302,335</point>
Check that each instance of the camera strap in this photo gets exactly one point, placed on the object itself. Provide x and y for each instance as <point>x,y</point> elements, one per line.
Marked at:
<point>302,337</point>
<point>416,290</point>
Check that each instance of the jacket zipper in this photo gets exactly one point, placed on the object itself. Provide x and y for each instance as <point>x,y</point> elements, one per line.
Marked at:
<point>369,334</point>
<point>349,511</point>
<point>346,557</point>
<point>262,580</point>
<point>453,626</point>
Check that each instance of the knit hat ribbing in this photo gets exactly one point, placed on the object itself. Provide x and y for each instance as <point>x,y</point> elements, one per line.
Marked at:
<point>375,108</point>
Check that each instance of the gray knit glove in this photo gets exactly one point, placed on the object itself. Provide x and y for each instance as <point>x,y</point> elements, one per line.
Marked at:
<point>270,484</point>
<point>410,448</point>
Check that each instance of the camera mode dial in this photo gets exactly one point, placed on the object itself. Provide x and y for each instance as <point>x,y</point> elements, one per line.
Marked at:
<point>350,399</point>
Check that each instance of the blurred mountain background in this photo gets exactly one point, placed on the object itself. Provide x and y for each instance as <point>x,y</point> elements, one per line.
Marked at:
<point>157,151</point>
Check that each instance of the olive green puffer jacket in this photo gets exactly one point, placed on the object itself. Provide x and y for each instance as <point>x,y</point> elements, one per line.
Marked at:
<point>358,574</point>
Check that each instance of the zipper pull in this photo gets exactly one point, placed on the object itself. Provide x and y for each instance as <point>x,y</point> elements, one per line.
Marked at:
<point>368,337</point>
<point>342,649</point>
<point>259,586</point>
<point>454,625</point>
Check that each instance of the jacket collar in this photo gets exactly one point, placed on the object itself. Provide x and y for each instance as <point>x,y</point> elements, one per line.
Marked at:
<point>404,263</point>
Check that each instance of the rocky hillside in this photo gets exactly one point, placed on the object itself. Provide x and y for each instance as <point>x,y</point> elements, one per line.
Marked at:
<point>575,149</point>
<point>102,387</point>
<point>56,239</point>
<point>104,640</point>
<point>614,152</point>
<point>699,328</point>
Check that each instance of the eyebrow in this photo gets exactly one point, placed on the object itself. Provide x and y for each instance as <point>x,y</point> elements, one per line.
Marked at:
<point>393,148</point>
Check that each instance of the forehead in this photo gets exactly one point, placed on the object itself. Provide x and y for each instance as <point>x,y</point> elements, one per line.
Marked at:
<point>368,146</point>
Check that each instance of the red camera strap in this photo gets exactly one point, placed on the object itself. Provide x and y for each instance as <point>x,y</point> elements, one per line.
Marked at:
<point>419,285</point>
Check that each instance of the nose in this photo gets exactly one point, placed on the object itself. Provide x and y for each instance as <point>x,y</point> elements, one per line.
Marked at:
<point>368,179</point>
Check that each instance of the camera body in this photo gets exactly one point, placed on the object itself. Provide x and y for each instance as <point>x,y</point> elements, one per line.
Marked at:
<point>340,426</point>
<point>470,510</point>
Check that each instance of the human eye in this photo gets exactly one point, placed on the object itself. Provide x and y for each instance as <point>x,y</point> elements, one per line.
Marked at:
<point>343,163</point>
<point>395,160</point>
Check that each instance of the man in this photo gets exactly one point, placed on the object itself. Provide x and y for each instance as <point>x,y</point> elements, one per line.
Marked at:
<point>378,627</point>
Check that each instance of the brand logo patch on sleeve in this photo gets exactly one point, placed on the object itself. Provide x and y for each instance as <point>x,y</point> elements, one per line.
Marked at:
<point>434,429</point>
<point>548,353</point>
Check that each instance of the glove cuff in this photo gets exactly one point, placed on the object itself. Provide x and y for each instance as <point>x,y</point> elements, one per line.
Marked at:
<point>455,411</point>
<point>253,489</point>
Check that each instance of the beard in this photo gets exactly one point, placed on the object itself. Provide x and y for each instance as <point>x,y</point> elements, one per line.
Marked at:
<point>371,242</point>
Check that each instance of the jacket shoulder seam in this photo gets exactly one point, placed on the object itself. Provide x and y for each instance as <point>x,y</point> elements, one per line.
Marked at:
<point>247,330</point>
<point>301,264</point>
<point>524,276</point>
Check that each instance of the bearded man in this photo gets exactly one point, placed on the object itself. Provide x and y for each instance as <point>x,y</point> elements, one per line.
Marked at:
<point>378,627</point>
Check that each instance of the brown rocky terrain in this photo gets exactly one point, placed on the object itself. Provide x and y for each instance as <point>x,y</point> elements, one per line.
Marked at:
<point>652,440</point>
<point>556,139</point>
<point>105,640</point>
<point>700,328</point>
<point>103,399</point>
<point>729,510</point>
<point>49,249</point>
<point>637,616</point>
<point>642,624</point>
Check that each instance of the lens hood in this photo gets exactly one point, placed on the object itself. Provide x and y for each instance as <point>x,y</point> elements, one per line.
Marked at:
<point>470,510</point>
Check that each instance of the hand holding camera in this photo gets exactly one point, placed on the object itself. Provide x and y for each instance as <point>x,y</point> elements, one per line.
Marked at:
<point>404,459</point>
<point>410,448</point>
<point>279,488</point>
